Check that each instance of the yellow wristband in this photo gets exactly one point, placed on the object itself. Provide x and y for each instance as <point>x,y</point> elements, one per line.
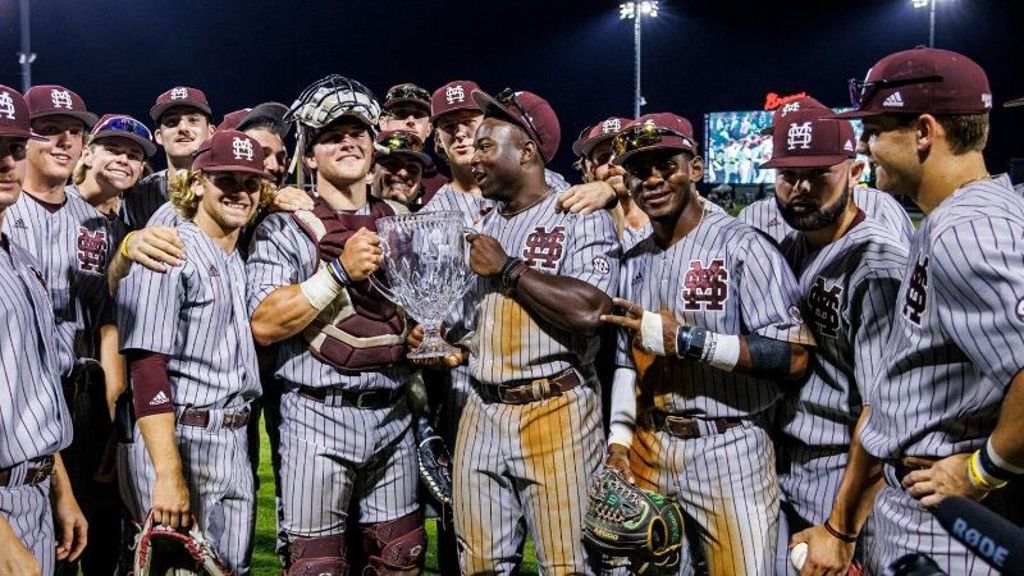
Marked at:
<point>977,477</point>
<point>124,244</point>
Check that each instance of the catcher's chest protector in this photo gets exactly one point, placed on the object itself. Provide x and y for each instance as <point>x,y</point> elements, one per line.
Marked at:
<point>361,329</point>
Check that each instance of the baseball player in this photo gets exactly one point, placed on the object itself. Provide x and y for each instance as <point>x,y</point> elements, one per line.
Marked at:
<point>345,436</point>
<point>407,107</point>
<point>765,216</point>
<point>945,413</point>
<point>34,419</point>
<point>193,362</point>
<point>399,171</point>
<point>712,308</point>
<point>849,267</point>
<point>532,323</point>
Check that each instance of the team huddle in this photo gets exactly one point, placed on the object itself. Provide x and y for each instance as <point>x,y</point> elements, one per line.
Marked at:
<point>811,376</point>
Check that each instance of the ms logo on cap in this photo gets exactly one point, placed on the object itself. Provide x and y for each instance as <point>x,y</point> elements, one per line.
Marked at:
<point>61,99</point>
<point>455,94</point>
<point>179,93</point>
<point>7,105</point>
<point>242,149</point>
<point>799,136</point>
<point>611,125</point>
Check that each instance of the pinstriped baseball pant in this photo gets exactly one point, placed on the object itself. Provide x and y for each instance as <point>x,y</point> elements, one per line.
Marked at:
<point>27,509</point>
<point>525,468</point>
<point>727,486</point>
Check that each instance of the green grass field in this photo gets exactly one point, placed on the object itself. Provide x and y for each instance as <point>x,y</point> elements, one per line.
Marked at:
<point>264,560</point>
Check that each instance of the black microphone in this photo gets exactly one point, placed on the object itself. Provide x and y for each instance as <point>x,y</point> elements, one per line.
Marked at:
<point>913,565</point>
<point>991,537</point>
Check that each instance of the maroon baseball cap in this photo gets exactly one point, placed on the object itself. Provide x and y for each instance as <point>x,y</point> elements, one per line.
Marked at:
<point>407,93</point>
<point>14,115</point>
<point>921,80</point>
<point>230,151</point>
<point>273,112</point>
<point>401,143</point>
<point>180,96</point>
<point>598,133</point>
<point>53,100</point>
<point>654,131</point>
<point>806,135</point>
<point>124,126</point>
<point>453,96</point>
<point>528,111</point>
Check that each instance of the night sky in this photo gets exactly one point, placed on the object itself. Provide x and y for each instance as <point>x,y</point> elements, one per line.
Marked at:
<point>699,56</point>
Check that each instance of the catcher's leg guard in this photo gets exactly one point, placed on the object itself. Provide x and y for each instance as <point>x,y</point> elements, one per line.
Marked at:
<point>323,556</point>
<point>395,547</point>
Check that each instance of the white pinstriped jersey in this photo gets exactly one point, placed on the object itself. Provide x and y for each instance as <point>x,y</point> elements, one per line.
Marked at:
<point>196,315</point>
<point>474,207</point>
<point>34,419</point>
<point>631,237</point>
<point>165,215</point>
<point>73,243</point>
<point>510,343</point>
<point>723,276</point>
<point>849,293</point>
<point>958,335</point>
<point>764,214</point>
<point>139,203</point>
<point>281,254</point>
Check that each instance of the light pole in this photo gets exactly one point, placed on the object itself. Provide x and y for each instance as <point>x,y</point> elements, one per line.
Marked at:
<point>25,57</point>
<point>636,11</point>
<point>930,4</point>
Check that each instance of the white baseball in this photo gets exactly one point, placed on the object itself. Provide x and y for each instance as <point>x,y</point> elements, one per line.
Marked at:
<point>798,555</point>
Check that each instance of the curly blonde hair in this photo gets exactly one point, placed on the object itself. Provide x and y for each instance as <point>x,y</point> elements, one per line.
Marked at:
<point>185,202</point>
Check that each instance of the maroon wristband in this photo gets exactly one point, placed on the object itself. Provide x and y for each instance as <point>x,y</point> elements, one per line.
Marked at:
<point>151,386</point>
<point>848,538</point>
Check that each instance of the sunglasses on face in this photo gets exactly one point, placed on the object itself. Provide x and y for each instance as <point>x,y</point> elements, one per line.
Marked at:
<point>862,91</point>
<point>408,93</point>
<point>402,141</point>
<point>125,125</point>
<point>642,136</point>
<point>507,97</point>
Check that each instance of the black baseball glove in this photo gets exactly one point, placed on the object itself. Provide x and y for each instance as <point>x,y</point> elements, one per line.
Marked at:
<point>434,461</point>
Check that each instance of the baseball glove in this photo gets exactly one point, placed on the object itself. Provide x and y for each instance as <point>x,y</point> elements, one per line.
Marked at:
<point>162,550</point>
<point>434,461</point>
<point>623,520</point>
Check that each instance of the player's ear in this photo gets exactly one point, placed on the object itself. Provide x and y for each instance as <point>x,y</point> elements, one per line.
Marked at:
<point>927,129</point>
<point>856,171</point>
<point>158,136</point>
<point>309,161</point>
<point>696,169</point>
<point>528,152</point>
<point>196,185</point>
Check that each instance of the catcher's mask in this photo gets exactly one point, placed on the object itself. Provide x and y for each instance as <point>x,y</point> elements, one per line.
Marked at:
<point>326,101</point>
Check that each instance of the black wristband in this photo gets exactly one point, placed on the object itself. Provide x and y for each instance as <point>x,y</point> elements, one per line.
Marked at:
<point>510,273</point>
<point>690,342</point>
<point>993,469</point>
<point>848,538</point>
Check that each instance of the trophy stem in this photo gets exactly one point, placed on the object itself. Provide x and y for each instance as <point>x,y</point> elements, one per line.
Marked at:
<point>433,345</point>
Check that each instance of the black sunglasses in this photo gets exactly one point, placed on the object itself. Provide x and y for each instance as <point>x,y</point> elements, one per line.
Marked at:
<point>861,91</point>
<point>507,97</point>
<point>408,93</point>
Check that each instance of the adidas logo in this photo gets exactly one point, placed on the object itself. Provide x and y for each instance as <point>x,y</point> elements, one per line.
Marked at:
<point>19,223</point>
<point>893,101</point>
<point>214,273</point>
<point>159,399</point>
<point>848,146</point>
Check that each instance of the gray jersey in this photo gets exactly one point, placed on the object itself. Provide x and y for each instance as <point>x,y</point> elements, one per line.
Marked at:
<point>196,315</point>
<point>723,276</point>
<point>849,292</point>
<point>281,254</point>
<point>509,342</point>
<point>471,207</point>
<point>140,203</point>
<point>958,335</point>
<point>34,419</point>
<point>73,244</point>
<point>165,215</point>
<point>764,214</point>
<point>633,236</point>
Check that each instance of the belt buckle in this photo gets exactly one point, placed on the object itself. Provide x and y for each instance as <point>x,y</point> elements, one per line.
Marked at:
<point>40,474</point>
<point>540,389</point>
<point>360,403</point>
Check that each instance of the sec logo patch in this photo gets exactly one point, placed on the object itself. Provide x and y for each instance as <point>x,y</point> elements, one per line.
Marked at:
<point>601,265</point>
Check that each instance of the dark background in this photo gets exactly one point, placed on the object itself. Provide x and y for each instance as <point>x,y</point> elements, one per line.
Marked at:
<point>699,56</point>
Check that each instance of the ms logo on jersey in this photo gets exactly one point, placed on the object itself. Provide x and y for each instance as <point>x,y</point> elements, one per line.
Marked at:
<point>92,250</point>
<point>823,303</point>
<point>455,94</point>
<point>544,248</point>
<point>7,105</point>
<point>917,295</point>
<point>242,148</point>
<point>705,287</point>
<point>799,136</point>
<point>61,99</point>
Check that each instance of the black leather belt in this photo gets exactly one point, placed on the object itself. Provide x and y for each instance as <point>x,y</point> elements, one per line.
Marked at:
<point>38,471</point>
<point>526,391</point>
<point>201,419</point>
<point>364,400</point>
<point>688,428</point>
<point>894,470</point>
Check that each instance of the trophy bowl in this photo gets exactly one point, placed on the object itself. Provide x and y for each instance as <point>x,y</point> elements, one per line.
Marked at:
<point>426,270</point>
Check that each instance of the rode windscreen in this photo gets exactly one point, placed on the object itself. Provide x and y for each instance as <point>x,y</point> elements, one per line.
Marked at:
<point>988,535</point>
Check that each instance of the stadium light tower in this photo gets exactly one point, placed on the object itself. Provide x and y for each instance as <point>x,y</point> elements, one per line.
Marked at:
<point>930,4</point>
<point>26,57</point>
<point>636,11</point>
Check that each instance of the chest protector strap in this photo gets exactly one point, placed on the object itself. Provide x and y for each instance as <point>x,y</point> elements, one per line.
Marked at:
<point>361,329</point>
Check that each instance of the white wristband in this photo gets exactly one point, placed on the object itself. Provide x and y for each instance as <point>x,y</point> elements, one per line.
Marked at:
<point>722,351</point>
<point>320,289</point>
<point>652,338</point>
